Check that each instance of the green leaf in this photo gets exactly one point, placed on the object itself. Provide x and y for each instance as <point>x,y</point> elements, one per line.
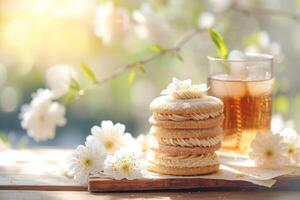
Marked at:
<point>298,4</point>
<point>131,77</point>
<point>219,41</point>
<point>88,72</point>
<point>75,85</point>
<point>142,68</point>
<point>70,96</point>
<point>4,138</point>
<point>281,104</point>
<point>156,48</point>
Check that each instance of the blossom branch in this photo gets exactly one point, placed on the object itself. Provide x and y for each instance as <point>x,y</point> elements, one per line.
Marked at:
<point>128,67</point>
<point>184,40</point>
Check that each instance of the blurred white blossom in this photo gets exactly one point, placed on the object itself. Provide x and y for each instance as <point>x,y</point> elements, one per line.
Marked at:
<point>143,143</point>
<point>265,45</point>
<point>58,79</point>
<point>83,162</point>
<point>123,164</point>
<point>109,137</point>
<point>206,20</point>
<point>111,23</point>
<point>42,115</point>
<point>151,26</point>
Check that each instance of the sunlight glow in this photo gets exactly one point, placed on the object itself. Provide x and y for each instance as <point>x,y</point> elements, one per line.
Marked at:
<point>35,162</point>
<point>36,31</point>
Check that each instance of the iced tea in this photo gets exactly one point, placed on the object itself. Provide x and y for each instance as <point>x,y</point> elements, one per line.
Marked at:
<point>247,108</point>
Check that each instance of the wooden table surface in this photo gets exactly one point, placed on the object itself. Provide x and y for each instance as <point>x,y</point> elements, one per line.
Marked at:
<point>36,174</point>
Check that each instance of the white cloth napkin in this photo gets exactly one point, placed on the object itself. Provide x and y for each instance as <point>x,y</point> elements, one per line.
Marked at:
<point>238,168</point>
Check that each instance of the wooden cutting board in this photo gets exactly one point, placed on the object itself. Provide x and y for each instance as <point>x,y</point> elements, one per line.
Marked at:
<point>109,185</point>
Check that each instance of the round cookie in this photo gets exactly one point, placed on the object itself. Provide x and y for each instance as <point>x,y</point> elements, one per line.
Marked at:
<point>204,105</point>
<point>183,165</point>
<point>190,124</point>
<point>190,142</point>
<point>186,171</point>
<point>185,133</point>
<point>178,150</point>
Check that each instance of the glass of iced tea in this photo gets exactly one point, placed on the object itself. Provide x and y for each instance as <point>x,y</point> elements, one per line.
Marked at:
<point>245,87</point>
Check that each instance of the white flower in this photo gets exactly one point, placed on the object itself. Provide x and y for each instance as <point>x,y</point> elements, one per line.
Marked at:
<point>178,85</point>
<point>84,161</point>
<point>264,45</point>
<point>123,165</point>
<point>42,115</point>
<point>206,20</point>
<point>151,26</point>
<point>292,139</point>
<point>143,143</point>
<point>109,137</point>
<point>111,23</point>
<point>268,150</point>
<point>58,79</point>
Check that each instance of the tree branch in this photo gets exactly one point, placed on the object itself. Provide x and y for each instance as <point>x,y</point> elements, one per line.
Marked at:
<point>128,67</point>
<point>182,42</point>
<point>186,38</point>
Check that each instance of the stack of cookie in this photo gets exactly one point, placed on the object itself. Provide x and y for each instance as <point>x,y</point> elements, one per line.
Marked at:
<point>186,125</point>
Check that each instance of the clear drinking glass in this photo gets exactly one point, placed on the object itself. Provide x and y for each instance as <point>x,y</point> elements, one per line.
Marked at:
<point>245,87</point>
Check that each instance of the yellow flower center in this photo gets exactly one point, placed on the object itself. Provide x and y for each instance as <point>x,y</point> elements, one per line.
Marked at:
<point>125,168</point>
<point>125,164</point>
<point>291,151</point>
<point>109,144</point>
<point>269,153</point>
<point>88,162</point>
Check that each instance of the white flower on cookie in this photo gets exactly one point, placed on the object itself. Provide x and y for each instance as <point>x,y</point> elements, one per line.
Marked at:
<point>123,165</point>
<point>185,89</point>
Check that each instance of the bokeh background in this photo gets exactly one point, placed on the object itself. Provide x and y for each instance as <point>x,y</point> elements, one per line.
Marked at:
<point>37,34</point>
